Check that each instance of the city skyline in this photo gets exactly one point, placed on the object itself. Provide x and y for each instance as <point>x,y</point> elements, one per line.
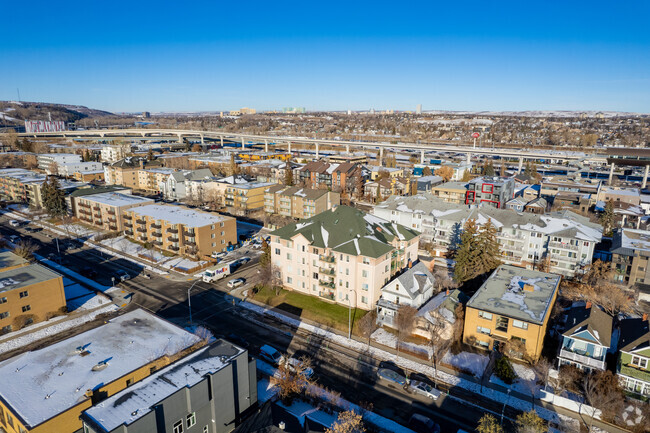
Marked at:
<point>206,57</point>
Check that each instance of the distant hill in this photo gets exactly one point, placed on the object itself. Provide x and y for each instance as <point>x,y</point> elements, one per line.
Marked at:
<point>13,113</point>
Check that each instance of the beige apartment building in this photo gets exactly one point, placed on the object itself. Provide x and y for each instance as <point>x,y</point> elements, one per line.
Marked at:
<point>180,230</point>
<point>105,210</point>
<point>451,192</point>
<point>152,179</point>
<point>297,202</point>
<point>342,255</point>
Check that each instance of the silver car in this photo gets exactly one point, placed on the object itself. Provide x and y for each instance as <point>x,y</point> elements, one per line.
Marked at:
<point>422,388</point>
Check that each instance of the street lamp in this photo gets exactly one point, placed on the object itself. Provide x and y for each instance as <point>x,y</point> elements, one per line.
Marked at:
<point>504,406</point>
<point>189,299</point>
<point>350,312</point>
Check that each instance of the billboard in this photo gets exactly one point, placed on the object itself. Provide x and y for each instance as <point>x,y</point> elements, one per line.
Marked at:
<point>44,126</point>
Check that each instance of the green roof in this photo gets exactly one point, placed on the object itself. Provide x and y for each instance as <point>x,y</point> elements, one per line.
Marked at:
<point>349,231</point>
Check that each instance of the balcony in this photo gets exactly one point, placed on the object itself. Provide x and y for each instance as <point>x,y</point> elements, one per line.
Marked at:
<point>173,231</point>
<point>564,246</point>
<point>157,234</point>
<point>582,359</point>
<point>327,259</point>
<point>111,211</point>
<point>635,372</point>
<point>156,226</point>
<point>328,295</point>
<point>188,234</point>
<point>142,230</point>
<point>172,239</point>
<point>112,219</point>
<point>190,243</point>
<point>174,248</point>
<point>140,221</point>
<point>327,271</point>
<point>126,224</point>
<point>516,248</point>
<point>329,284</point>
<point>157,243</point>
<point>127,217</point>
<point>128,232</point>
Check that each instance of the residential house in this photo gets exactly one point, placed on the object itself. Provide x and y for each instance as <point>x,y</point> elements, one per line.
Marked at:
<point>633,366</point>
<point>47,389</point>
<point>29,293</point>
<point>298,202</point>
<point>587,338</point>
<point>538,206</point>
<point>342,255</point>
<point>387,187</point>
<point>180,230</point>
<point>425,183</point>
<point>512,305</point>
<point>517,204</point>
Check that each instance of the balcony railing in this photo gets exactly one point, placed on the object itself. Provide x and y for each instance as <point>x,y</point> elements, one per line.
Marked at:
<point>127,217</point>
<point>329,296</point>
<point>128,232</point>
<point>157,234</point>
<point>329,284</point>
<point>156,226</point>
<point>327,271</point>
<point>174,231</point>
<point>188,234</point>
<point>564,246</point>
<point>142,230</point>
<point>174,248</point>
<point>636,372</point>
<point>172,239</point>
<point>127,224</point>
<point>157,243</point>
<point>141,221</point>
<point>582,359</point>
<point>190,243</point>
<point>327,259</point>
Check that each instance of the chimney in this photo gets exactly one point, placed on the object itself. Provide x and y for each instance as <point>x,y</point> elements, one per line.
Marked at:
<point>588,305</point>
<point>282,425</point>
<point>410,265</point>
<point>645,317</point>
<point>447,292</point>
<point>88,393</point>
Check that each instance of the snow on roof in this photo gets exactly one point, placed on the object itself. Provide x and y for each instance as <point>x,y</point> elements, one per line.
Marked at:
<point>638,240</point>
<point>117,199</point>
<point>43,383</point>
<point>25,276</point>
<point>178,215</point>
<point>133,403</point>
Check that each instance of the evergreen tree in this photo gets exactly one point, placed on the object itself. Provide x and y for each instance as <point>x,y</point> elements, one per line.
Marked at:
<point>488,168</point>
<point>607,218</point>
<point>488,248</point>
<point>467,176</point>
<point>54,198</point>
<point>467,253</point>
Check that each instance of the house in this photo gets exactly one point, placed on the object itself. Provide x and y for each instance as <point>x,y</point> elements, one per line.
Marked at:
<point>490,190</point>
<point>47,389</point>
<point>633,366</point>
<point>512,305</point>
<point>181,396</point>
<point>440,312</point>
<point>342,255</point>
<point>180,230</point>
<point>538,206</point>
<point>587,338</point>
<point>425,183</point>
<point>29,293</point>
<point>413,287</point>
<point>517,204</point>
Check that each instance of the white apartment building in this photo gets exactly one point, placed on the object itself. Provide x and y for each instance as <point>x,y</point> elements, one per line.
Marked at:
<point>567,238</point>
<point>47,161</point>
<point>114,153</point>
<point>174,187</point>
<point>70,168</point>
<point>342,255</point>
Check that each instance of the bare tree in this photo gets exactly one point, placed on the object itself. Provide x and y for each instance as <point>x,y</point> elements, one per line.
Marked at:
<point>368,324</point>
<point>25,249</point>
<point>602,391</point>
<point>611,297</point>
<point>542,368</point>
<point>347,422</point>
<point>292,378</point>
<point>405,323</point>
<point>438,345</point>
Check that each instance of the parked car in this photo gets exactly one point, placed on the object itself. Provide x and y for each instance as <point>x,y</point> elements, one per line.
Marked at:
<point>244,260</point>
<point>424,389</point>
<point>271,354</point>
<point>422,424</point>
<point>295,362</point>
<point>391,376</point>
<point>13,239</point>
<point>237,340</point>
<point>392,366</point>
<point>236,282</point>
<point>122,275</point>
<point>219,256</point>
<point>14,223</point>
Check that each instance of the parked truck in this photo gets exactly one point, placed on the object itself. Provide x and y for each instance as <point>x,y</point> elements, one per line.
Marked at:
<point>218,272</point>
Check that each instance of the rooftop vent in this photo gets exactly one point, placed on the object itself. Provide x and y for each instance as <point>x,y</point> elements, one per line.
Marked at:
<point>100,366</point>
<point>282,425</point>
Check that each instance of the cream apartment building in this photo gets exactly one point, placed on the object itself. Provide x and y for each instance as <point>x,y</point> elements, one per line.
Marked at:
<point>105,210</point>
<point>342,255</point>
<point>297,202</point>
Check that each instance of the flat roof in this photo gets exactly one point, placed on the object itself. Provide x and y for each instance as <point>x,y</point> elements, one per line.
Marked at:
<point>9,259</point>
<point>25,276</point>
<point>41,384</point>
<point>506,292</point>
<point>133,403</point>
<point>117,199</point>
<point>179,215</point>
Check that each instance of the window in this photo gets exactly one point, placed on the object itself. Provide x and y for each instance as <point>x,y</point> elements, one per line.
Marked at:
<point>4,315</point>
<point>639,362</point>
<point>519,324</point>
<point>24,294</point>
<point>347,271</point>
<point>26,308</point>
<point>288,256</point>
<point>3,300</point>
<point>482,330</point>
<point>129,382</point>
<point>212,227</point>
<point>485,315</point>
<point>191,419</point>
<point>364,286</point>
<point>502,324</point>
<point>364,300</point>
<point>223,233</point>
<point>205,429</point>
<point>277,251</point>
<point>178,427</point>
<point>212,236</point>
<point>5,329</point>
<point>289,280</point>
<point>364,274</point>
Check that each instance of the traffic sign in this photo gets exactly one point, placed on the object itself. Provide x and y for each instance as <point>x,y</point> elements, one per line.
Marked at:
<point>476,135</point>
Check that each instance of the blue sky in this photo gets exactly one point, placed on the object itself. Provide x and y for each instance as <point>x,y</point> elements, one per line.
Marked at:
<point>163,56</point>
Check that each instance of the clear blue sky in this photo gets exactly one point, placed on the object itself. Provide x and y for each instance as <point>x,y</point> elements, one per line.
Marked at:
<point>214,55</point>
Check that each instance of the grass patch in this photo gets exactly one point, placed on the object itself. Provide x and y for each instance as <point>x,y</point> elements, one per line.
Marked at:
<point>310,307</point>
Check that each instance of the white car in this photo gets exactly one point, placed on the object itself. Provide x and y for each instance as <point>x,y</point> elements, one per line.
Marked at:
<point>219,256</point>
<point>294,363</point>
<point>424,389</point>
<point>237,282</point>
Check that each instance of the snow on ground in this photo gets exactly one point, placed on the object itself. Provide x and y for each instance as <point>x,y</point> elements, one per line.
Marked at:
<point>53,326</point>
<point>384,337</point>
<point>127,247</point>
<point>526,382</point>
<point>450,379</point>
<point>88,302</point>
<point>473,362</point>
<point>182,263</point>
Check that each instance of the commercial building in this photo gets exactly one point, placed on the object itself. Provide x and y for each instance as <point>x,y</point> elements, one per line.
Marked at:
<point>342,255</point>
<point>587,338</point>
<point>206,391</point>
<point>297,202</point>
<point>50,161</point>
<point>514,304</point>
<point>566,238</point>
<point>29,293</point>
<point>106,210</point>
<point>46,390</point>
<point>491,191</point>
<point>180,230</point>
<point>633,366</point>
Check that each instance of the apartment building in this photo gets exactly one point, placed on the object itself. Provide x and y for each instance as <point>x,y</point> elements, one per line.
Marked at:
<point>567,238</point>
<point>490,191</point>
<point>633,366</point>
<point>549,189</point>
<point>181,397</point>
<point>105,210</point>
<point>298,202</point>
<point>174,187</point>
<point>50,161</point>
<point>391,172</point>
<point>354,158</point>
<point>631,196</point>
<point>114,153</point>
<point>451,192</point>
<point>245,198</point>
<point>152,180</point>
<point>180,230</point>
<point>321,174</point>
<point>69,169</point>
<point>126,171</point>
<point>24,186</point>
<point>587,338</point>
<point>28,292</point>
<point>342,255</point>
<point>514,304</point>
<point>387,187</point>
<point>630,253</point>
<point>46,390</point>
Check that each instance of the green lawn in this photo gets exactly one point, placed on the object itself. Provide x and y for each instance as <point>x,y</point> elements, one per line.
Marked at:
<point>310,307</point>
